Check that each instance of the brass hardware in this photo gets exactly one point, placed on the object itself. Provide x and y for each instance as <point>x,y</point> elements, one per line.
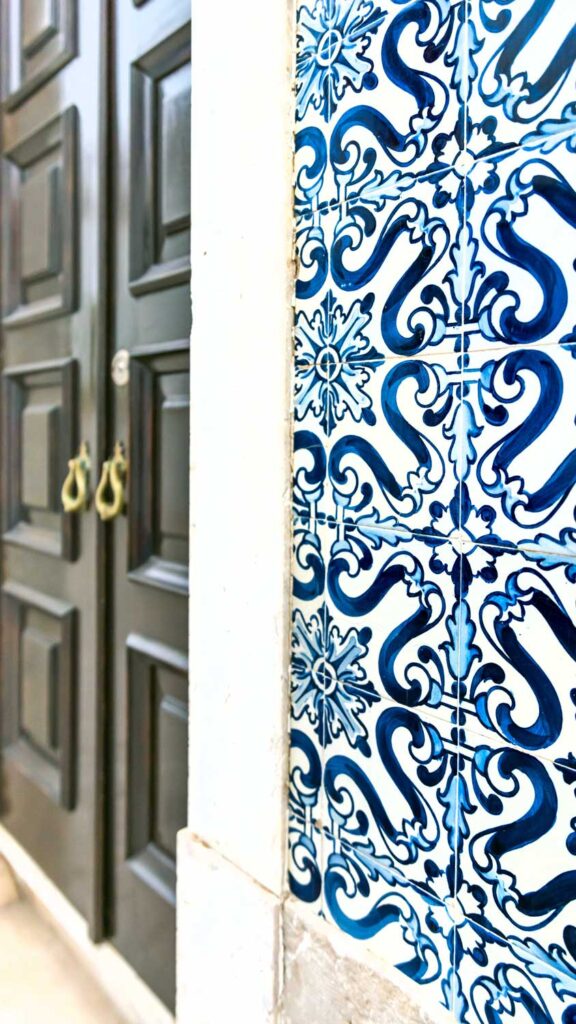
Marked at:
<point>74,491</point>
<point>110,498</point>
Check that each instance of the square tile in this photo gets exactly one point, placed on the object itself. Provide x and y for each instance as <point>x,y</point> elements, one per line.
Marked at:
<point>387,273</point>
<point>522,55</point>
<point>378,443</point>
<point>392,801</point>
<point>521,221</point>
<point>392,623</point>
<point>517,838</point>
<point>388,83</point>
<point>517,643</point>
<point>401,259</point>
<point>519,435</point>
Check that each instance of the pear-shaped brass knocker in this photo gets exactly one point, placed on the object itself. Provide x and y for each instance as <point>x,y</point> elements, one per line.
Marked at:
<point>110,498</point>
<point>74,491</point>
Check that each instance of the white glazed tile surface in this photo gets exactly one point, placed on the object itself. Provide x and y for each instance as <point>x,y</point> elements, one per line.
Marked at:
<point>434,493</point>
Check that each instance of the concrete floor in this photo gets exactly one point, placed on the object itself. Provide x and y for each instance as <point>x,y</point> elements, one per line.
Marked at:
<point>40,980</point>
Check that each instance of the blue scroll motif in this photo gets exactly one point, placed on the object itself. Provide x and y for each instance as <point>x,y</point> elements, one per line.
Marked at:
<point>433,773</point>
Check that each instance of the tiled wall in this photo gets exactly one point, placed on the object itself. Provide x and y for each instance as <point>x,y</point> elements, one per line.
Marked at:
<point>433,776</point>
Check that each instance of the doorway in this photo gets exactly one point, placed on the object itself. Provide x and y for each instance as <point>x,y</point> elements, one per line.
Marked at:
<point>94,248</point>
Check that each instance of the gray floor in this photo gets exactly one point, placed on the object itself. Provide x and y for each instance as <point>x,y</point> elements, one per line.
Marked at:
<point>40,980</point>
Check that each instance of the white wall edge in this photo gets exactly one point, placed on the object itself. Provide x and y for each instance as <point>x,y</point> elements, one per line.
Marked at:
<point>242,285</point>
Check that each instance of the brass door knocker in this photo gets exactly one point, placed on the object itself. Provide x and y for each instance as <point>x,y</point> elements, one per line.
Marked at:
<point>74,491</point>
<point>110,498</point>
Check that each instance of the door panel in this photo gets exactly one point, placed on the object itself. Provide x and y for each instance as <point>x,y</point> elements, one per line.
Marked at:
<point>52,321</point>
<point>151,214</point>
<point>41,38</point>
<point>94,247</point>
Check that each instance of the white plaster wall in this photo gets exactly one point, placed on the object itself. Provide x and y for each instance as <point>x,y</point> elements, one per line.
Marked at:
<point>242,283</point>
<point>232,858</point>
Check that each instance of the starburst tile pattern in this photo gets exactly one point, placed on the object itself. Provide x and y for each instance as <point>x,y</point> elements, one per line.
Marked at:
<point>433,775</point>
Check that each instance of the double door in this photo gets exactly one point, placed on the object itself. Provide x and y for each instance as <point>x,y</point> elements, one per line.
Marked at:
<point>95,299</point>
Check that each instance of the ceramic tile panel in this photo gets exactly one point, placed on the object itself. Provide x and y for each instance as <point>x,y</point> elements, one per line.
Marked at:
<point>433,779</point>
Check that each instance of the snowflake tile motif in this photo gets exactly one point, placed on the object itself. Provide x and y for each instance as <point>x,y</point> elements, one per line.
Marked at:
<point>331,689</point>
<point>334,363</point>
<point>332,38</point>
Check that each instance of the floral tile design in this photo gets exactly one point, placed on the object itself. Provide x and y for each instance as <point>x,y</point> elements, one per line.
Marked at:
<point>433,772</point>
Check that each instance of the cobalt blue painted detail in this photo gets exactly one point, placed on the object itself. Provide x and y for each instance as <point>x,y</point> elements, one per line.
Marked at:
<point>433,774</point>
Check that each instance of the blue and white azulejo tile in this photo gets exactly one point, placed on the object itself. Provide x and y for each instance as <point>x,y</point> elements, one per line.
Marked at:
<point>518,652</point>
<point>433,773</point>
<point>406,926</point>
<point>522,59</point>
<point>390,435</point>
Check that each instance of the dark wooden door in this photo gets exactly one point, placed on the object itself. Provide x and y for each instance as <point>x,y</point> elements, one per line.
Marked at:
<point>151,326</point>
<point>52,324</point>
<point>95,218</point>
